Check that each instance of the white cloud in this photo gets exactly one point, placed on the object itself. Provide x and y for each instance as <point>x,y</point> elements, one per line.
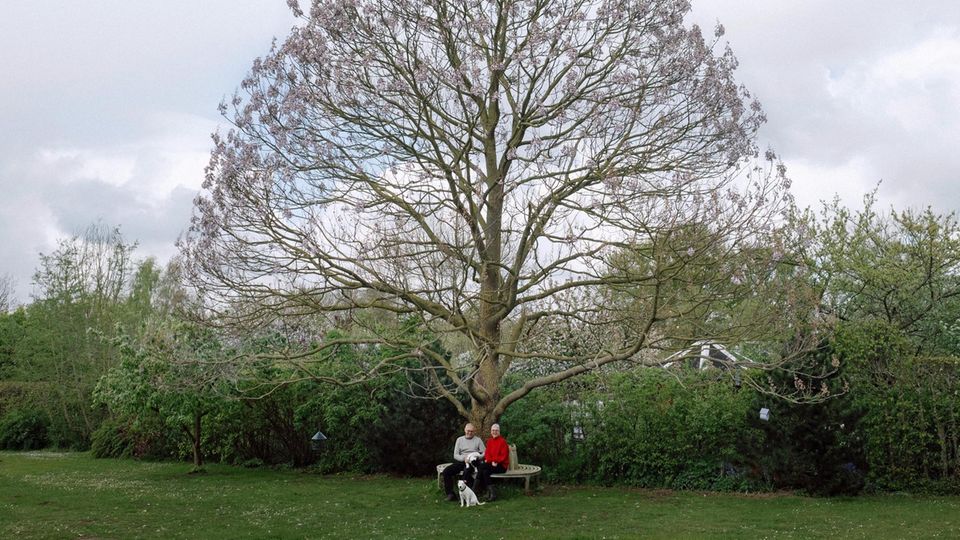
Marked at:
<point>849,181</point>
<point>856,91</point>
<point>917,88</point>
<point>107,166</point>
<point>108,108</point>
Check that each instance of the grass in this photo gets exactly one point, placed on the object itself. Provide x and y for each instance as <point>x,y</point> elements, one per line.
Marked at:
<point>61,495</point>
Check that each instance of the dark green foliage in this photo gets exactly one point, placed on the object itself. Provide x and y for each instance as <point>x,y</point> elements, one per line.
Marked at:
<point>815,447</point>
<point>812,447</point>
<point>346,415</point>
<point>381,425</point>
<point>655,432</point>
<point>912,428</point>
<point>909,408</point>
<point>265,430</point>
<point>412,434</point>
<point>542,424</point>
<point>24,430</point>
<point>16,395</point>
<point>123,438</point>
<point>370,428</point>
<point>377,426</point>
<point>645,428</point>
<point>113,439</point>
<point>11,333</point>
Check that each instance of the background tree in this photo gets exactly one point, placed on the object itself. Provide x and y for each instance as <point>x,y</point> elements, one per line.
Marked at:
<point>477,164</point>
<point>11,328</point>
<point>82,293</point>
<point>901,268</point>
<point>174,372</point>
<point>7,293</point>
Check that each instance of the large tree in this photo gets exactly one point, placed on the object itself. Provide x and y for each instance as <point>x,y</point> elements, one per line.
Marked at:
<point>477,164</point>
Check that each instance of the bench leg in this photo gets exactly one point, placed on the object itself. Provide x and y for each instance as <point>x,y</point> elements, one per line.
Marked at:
<point>526,484</point>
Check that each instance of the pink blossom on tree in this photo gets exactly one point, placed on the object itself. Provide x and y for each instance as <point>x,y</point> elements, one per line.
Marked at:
<point>477,164</point>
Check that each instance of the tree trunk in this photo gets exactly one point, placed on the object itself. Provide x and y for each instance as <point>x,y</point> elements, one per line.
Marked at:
<point>485,386</point>
<point>195,435</point>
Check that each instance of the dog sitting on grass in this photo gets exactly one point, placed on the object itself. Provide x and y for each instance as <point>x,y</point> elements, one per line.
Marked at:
<point>467,496</point>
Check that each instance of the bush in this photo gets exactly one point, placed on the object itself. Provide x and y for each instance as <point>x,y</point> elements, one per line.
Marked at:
<point>146,438</point>
<point>910,427</point>
<point>260,430</point>
<point>20,395</point>
<point>24,430</point>
<point>411,435</point>
<point>541,425</point>
<point>659,432</point>
<point>907,409</point>
<point>644,428</point>
<point>815,448</point>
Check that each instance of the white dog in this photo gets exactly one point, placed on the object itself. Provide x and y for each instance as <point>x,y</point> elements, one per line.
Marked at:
<point>467,496</point>
<point>470,459</point>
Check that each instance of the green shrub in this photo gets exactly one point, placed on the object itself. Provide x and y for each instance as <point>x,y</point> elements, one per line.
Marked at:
<point>542,427</point>
<point>815,448</point>
<point>907,407</point>
<point>412,434</point>
<point>144,438</point>
<point>910,427</point>
<point>24,430</point>
<point>657,431</point>
<point>112,440</point>
<point>20,395</point>
<point>643,428</point>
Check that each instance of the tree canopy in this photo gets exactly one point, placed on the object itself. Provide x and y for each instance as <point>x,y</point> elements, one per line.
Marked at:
<point>478,164</point>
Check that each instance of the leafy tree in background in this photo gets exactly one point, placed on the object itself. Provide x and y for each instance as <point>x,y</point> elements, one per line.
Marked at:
<point>475,165</point>
<point>901,268</point>
<point>910,417</point>
<point>81,294</point>
<point>7,298</point>
<point>12,329</point>
<point>892,281</point>
<point>174,372</point>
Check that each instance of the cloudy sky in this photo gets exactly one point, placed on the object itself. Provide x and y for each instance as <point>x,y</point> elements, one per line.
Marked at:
<point>106,106</point>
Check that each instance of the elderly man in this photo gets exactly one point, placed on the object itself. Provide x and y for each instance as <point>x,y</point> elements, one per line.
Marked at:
<point>465,445</point>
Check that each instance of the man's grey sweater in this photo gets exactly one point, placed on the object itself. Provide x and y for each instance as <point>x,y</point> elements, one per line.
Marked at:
<point>465,446</point>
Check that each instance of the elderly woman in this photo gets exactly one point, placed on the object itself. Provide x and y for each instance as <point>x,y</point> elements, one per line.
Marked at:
<point>496,459</point>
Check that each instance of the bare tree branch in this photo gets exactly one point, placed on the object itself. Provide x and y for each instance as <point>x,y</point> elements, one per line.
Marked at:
<point>480,165</point>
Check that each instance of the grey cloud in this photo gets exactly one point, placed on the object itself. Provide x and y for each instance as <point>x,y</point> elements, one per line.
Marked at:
<point>95,76</point>
<point>792,52</point>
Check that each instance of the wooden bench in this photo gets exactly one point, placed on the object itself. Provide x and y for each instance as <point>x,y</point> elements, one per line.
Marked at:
<point>516,470</point>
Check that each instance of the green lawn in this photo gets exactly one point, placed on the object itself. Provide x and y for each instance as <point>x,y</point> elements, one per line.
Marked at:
<point>56,495</point>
